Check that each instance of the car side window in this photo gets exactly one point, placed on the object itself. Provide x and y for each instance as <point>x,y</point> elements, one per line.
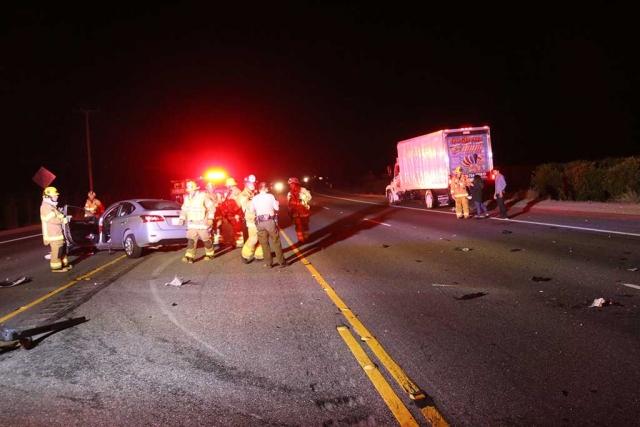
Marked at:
<point>126,209</point>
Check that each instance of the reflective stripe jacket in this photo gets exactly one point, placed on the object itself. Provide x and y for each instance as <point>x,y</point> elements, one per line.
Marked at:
<point>298,202</point>
<point>52,222</point>
<point>244,200</point>
<point>94,206</point>
<point>197,210</point>
<point>459,185</point>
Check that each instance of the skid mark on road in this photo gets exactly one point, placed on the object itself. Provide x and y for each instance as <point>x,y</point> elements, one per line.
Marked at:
<point>154,285</point>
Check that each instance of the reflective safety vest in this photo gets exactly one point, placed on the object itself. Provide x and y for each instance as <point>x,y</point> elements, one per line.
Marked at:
<point>459,186</point>
<point>197,210</point>
<point>52,222</point>
<point>94,206</point>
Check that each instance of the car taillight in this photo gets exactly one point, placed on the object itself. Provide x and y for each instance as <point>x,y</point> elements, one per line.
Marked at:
<point>151,218</point>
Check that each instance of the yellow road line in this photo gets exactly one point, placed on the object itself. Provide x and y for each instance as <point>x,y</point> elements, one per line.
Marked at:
<point>429,411</point>
<point>57,291</point>
<point>392,400</point>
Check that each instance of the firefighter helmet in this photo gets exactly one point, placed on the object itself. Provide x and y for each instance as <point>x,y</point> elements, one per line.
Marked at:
<point>293,180</point>
<point>230,182</point>
<point>191,186</point>
<point>251,179</point>
<point>50,192</point>
<point>91,194</point>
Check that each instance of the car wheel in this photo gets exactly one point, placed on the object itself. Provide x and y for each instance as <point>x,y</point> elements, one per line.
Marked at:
<point>131,248</point>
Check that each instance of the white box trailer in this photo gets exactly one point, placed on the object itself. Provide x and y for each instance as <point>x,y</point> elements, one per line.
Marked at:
<point>425,164</point>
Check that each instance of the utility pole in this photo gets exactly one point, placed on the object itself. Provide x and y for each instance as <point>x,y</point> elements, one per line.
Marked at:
<point>86,120</point>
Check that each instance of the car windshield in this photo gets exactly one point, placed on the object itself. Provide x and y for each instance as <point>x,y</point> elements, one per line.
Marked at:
<point>159,205</point>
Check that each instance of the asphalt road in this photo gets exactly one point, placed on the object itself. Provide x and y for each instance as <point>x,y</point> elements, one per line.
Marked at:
<point>484,322</point>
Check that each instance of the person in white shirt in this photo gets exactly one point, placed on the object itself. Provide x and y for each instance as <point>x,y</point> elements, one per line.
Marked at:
<point>265,206</point>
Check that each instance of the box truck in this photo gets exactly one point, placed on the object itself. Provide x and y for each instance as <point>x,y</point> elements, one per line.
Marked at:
<point>425,164</point>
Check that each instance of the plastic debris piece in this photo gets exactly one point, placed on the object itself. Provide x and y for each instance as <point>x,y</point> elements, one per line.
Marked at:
<point>471,296</point>
<point>175,282</point>
<point>629,285</point>
<point>9,283</point>
<point>597,302</point>
<point>540,279</point>
<point>633,269</point>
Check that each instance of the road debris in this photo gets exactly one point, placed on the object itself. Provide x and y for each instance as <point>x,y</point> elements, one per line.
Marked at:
<point>177,282</point>
<point>601,302</point>
<point>516,250</point>
<point>471,296</point>
<point>633,269</point>
<point>629,285</point>
<point>464,249</point>
<point>540,279</point>
<point>385,246</point>
<point>506,232</point>
<point>13,338</point>
<point>9,283</point>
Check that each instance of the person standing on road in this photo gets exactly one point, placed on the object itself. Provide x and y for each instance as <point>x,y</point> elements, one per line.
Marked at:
<point>501,184</point>
<point>265,206</point>
<point>476,197</point>
<point>459,184</point>
<point>93,205</point>
<point>52,233</point>
<point>299,210</point>
<point>251,248</point>
<point>197,209</point>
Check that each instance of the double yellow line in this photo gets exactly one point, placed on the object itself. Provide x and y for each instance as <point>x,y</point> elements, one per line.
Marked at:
<point>398,408</point>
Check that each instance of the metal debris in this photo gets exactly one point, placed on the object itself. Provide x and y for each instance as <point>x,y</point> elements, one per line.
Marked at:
<point>471,296</point>
<point>9,283</point>
<point>540,279</point>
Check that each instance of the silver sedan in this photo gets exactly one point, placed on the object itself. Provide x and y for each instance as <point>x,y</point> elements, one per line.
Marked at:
<point>129,225</point>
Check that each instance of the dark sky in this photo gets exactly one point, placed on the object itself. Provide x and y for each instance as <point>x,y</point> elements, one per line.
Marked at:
<point>280,90</point>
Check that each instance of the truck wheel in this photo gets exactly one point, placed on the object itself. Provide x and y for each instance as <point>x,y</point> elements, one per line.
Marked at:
<point>430,199</point>
<point>390,198</point>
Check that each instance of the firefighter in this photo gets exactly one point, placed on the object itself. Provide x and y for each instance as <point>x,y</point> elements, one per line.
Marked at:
<point>299,210</point>
<point>93,205</point>
<point>232,213</point>
<point>459,184</point>
<point>197,210</point>
<point>52,234</point>
<point>249,250</point>
<point>217,216</point>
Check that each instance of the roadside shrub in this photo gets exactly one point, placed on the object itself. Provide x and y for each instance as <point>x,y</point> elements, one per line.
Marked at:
<point>547,180</point>
<point>532,194</point>
<point>623,177</point>
<point>630,196</point>
<point>584,181</point>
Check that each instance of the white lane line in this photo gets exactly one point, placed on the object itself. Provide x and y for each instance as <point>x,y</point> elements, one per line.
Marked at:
<point>377,222</point>
<point>631,286</point>
<point>20,238</point>
<point>623,233</point>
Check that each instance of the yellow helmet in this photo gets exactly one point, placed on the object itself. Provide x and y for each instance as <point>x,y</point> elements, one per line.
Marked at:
<point>50,192</point>
<point>91,194</point>
<point>191,186</point>
<point>230,182</point>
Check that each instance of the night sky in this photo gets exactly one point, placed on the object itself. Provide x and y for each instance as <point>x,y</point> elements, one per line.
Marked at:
<point>280,90</point>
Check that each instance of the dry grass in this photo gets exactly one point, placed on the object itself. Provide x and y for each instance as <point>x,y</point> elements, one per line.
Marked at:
<point>629,196</point>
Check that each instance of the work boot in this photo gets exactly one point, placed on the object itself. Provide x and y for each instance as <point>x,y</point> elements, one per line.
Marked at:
<point>68,266</point>
<point>60,270</point>
<point>187,259</point>
<point>208,258</point>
